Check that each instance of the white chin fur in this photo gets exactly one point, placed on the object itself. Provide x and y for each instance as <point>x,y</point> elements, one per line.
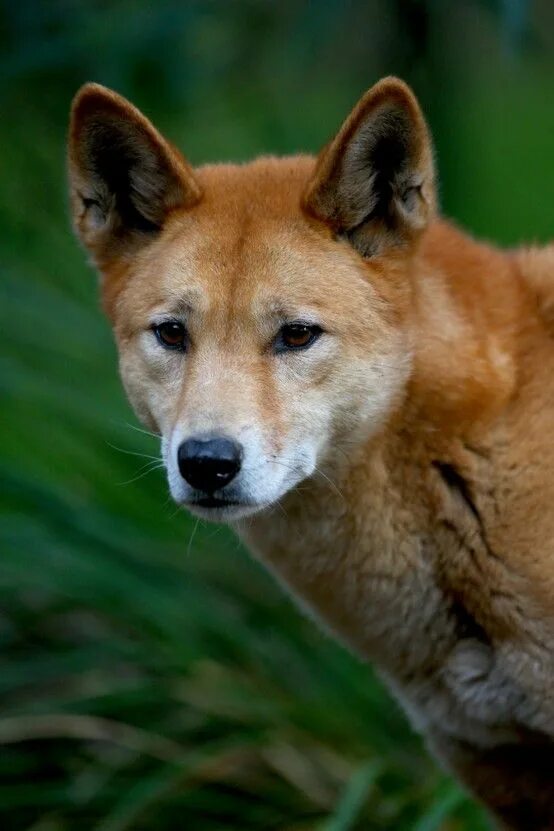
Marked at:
<point>227,513</point>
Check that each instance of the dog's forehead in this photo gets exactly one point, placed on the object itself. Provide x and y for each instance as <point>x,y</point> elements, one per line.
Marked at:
<point>247,251</point>
<point>255,262</point>
<point>249,229</point>
<point>265,186</point>
<point>250,214</point>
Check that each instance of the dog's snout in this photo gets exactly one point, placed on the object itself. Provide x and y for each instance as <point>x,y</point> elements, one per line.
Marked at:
<point>209,464</point>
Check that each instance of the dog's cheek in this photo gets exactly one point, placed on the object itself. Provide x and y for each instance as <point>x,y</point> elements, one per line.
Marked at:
<point>141,395</point>
<point>309,387</point>
<point>312,423</point>
<point>371,391</point>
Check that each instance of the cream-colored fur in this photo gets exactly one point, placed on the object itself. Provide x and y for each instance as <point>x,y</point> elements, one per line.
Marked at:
<point>397,474</point>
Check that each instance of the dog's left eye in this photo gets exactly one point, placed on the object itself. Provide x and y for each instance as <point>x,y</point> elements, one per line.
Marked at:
<point>297,336</point>
<point>171,334</point>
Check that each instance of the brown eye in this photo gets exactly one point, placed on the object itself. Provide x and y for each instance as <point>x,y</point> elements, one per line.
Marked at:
<point>297,336</point>
<point>171,334</point>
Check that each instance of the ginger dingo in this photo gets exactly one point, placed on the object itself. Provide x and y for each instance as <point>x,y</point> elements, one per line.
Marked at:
<point>313,321</point>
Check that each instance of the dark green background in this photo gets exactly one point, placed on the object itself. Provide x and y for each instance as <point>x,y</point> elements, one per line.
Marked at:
<point>151,676</point>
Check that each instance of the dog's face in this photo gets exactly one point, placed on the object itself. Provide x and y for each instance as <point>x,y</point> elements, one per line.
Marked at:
<point>261,311</point>
<point>247,335</point>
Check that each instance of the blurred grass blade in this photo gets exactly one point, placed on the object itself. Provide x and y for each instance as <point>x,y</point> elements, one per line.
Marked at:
<point>352,801</point>
<point>82,727</point>
<point>139,798</point>
<point>442,808</point>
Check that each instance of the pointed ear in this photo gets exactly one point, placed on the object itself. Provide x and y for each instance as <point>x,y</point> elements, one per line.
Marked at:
<point>373,184</point>
<point>125,178</point>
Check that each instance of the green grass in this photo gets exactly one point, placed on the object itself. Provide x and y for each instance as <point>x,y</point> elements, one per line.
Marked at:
<point>152,677</point>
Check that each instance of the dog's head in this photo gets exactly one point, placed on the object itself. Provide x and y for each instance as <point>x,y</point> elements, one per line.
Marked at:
<point>260,310</point>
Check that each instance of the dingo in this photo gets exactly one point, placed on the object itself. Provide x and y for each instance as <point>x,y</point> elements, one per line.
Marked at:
<point>312,321</point>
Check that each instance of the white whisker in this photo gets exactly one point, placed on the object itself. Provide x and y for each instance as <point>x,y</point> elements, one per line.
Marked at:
<point>191,538</point>
<point>140,430</point>
<point>149,467</point>
<point>133,452</point>
<point>331,483</point>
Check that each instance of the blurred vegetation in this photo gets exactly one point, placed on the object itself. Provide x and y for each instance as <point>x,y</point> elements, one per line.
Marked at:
<point>151,676</point>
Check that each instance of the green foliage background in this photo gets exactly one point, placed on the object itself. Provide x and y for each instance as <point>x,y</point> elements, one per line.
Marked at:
<point>151,676</point>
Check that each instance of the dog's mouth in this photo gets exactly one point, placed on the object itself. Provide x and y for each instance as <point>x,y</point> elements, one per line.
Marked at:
<point>213,502</point>
<point>219,508</point>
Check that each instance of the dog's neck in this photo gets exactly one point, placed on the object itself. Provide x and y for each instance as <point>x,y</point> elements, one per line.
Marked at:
<point>469,302</point>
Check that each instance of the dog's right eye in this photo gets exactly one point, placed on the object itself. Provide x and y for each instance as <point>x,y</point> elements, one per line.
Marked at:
<point>171,334</point>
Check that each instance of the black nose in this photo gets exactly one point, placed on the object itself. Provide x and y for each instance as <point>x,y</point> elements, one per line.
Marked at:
<point>209,464</point>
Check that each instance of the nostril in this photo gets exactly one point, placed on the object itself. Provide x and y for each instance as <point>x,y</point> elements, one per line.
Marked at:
<point>209,464</point>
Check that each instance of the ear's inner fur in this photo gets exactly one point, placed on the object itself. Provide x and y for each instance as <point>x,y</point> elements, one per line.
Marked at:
<point>372,162</point>
<point>369,182</point>
<point>376,172</point>
<point>125,176</point>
